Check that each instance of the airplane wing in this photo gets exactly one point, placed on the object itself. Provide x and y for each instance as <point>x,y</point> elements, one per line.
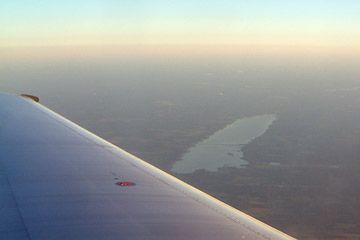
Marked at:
<point>59,181</point>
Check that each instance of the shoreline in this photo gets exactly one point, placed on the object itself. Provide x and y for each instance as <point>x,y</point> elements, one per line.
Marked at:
<point>268,123</point>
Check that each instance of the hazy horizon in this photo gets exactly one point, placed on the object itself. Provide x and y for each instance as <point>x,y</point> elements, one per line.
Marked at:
<point>229,22</point>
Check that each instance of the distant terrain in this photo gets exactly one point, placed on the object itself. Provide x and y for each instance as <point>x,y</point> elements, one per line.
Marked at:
<point>303,172</point>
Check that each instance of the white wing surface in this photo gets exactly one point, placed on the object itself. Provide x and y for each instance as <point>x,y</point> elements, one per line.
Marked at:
<point>59,181</point>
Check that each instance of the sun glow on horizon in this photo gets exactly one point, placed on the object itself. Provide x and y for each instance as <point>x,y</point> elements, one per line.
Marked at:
<point>104,24</point>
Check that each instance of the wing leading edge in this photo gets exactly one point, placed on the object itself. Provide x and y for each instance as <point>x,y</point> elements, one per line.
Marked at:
<point>59,181</point>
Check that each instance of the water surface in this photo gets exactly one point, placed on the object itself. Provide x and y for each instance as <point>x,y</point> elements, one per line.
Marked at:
<point>223,148</point>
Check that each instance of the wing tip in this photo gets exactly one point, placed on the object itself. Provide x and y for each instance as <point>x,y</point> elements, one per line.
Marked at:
<point>31,97</point>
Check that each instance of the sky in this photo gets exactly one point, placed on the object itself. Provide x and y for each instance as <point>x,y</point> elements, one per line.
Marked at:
<point>185,22</point>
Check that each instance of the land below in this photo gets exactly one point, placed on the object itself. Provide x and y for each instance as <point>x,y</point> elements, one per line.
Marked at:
<point>302,172</point>
<point>302,176</point>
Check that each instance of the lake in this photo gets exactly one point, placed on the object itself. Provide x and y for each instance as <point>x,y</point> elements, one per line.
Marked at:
<point>223,148</point>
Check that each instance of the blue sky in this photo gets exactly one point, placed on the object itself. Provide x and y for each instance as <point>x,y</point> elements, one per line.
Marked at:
<point>55,22</point>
